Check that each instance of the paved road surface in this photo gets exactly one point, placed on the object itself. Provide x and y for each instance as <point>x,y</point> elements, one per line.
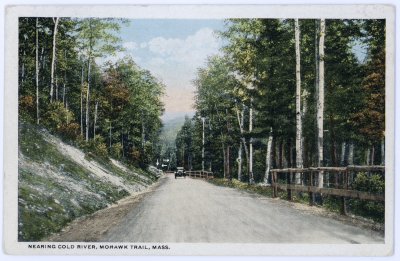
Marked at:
<point>192,210</point>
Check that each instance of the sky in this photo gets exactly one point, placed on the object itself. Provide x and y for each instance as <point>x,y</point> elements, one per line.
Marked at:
<point>172,50</point>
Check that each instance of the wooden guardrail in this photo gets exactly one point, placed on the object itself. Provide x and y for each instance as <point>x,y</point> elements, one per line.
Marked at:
<point>341,186</point>
<point>200,174</point>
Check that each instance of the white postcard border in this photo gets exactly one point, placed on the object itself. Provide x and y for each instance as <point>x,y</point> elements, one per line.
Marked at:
<point>10,226</point>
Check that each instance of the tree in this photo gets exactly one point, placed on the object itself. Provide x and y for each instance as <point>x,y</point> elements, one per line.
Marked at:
<point>53,59</point>
<point>97,38</point>
<point>320,101</point>
<point>299,126</point>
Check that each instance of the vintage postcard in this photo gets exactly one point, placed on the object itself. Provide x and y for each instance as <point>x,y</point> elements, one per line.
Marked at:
<point>199,130</point>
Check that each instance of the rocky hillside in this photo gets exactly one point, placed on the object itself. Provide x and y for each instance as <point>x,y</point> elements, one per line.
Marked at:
<point>58,183</point>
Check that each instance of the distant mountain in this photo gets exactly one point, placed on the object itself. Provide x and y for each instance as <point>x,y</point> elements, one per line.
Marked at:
<point>170,129</point>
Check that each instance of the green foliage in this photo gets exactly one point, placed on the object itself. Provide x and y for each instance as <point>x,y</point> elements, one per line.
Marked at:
<point>98,147</point>
<point>69,131</point>
<point>116,150</point>
<point>46,203</point>
<point>372,184</point>
<point>27,106</point>
<point>56,116</point>
<point>261,190</point>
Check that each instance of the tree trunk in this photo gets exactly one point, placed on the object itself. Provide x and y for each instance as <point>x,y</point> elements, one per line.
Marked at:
<point>37,71</point>
<point>350,160</point>
<point>299,126</point>
<point>333,142</point>
<point>66,107</point>
<point>110,135</point>
<point>224,153</point>
<point>372,155</point>
<point>320,102</point>
<point>65,78</point>
<point>367,157</point>
<point>56,83</point>
<point>228,168</point>
<point>95,119</point>
<point>88,102</point>
<point>251,177</point>
<point>343,154</point>
<point>383,151</point>
<point>268,158</point>
<point>23,69</point>
<point>240,161</point>
<point>243,140</point>
<point>82,103</point>
<point>88,80</point>
<point>53,59</point>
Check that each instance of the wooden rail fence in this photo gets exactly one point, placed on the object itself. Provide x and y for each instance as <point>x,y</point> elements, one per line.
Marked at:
<point>341,186</point>
<point>200,174</point>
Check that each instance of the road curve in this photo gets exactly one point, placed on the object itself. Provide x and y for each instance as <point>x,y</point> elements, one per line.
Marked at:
<point>194,211</point>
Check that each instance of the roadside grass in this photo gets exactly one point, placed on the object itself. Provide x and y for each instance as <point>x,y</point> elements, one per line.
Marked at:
<point>331,203</point>
<point>54,190</point>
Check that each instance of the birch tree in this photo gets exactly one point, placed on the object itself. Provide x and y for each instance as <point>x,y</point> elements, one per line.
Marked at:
<point>299,126</point>
<point>320,101</point>
<point>97,39</point>
<point>53,58</point>
<point>37,70</point>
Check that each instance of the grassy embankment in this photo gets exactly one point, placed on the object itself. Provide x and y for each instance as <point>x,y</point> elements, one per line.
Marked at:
<point>54,189</point>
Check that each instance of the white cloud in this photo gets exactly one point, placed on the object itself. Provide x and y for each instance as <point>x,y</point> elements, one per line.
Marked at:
<point>130,46</point>
<point>175,62</point>
<point>194,47</point>
<point>143,45</point>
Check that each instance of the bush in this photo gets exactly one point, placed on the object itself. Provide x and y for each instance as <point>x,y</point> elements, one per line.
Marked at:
<point>374,184</point>
<point>116,150</point>
<point>56,116</point>
<point>27,106</point>
<point>69,131</point>
<point>98,146</point>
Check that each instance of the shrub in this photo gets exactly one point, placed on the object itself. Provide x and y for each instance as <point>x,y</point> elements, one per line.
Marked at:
<point>27,106</point>
<point>98,146</point>
<point>116,150</point>
<point>69,131</point>
<point>373,184</point>
<point>56,116</point>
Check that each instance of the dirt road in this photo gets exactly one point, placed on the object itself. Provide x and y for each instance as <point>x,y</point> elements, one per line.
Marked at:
<point>190,210</point>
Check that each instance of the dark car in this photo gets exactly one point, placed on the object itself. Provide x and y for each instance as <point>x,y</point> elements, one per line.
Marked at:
<point>180,172</point>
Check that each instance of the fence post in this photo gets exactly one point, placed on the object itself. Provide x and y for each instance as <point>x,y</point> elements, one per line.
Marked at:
<point>343,210</point>
<point>289,182</point>
<point>310,194</point>
<point>274,184</point>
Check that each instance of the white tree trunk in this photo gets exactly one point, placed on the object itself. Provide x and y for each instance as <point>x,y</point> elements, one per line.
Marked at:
<point>66,107</point>
<point>95,119</point>
<point>240,161</point>
<point>351,154</point>
<point>53,59</point>
<point>367,157</point>
<point>268,158</point>
<point>299,126</point>
<point>37,71</point>
<point>65,79</point>
<point>251,177</point>
<point>87,102</point>
<point>110,134</point>
<point>343,154</point>
<point>82,103</point>
<point>243,140</point>
<point>383,151</point>
<point>320,102</point>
